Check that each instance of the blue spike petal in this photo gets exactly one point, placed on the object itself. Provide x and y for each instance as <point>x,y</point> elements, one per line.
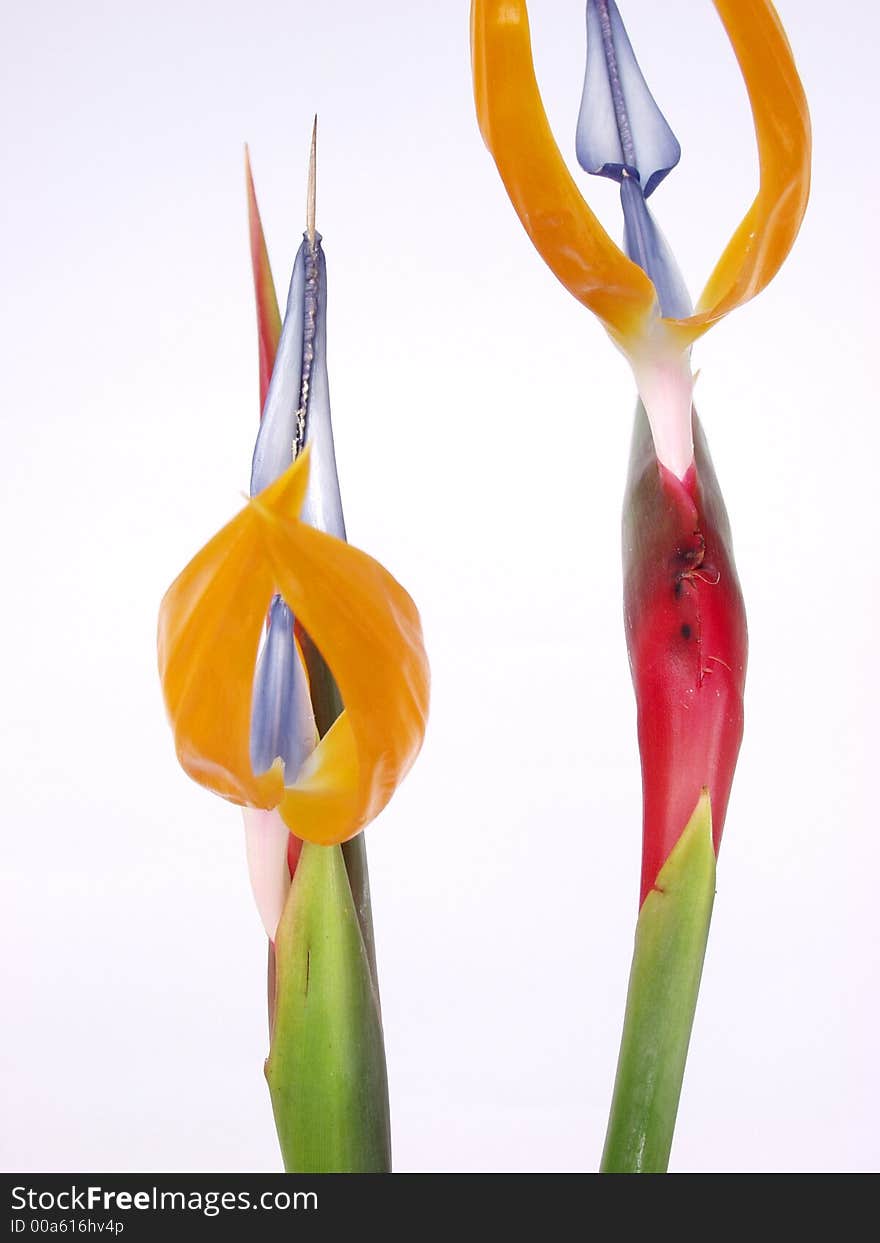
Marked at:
<point>297,410</point>
<point>646,246</point>
<point>296,413</point>
<point>620,128</point>
<point>622,134</point>
<point>274,450</point>
<point>323,504</point>
<point>282,721</point>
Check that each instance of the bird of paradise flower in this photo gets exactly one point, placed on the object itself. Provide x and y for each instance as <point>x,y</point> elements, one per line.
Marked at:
<point>684,614</point>
<point>310,732</point>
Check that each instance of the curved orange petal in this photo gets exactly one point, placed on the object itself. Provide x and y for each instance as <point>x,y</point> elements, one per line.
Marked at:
<point>268,315</point>
<point>759,246</point>
<point>564,230</point>
<point>366,628</point>
<point>562,227</point>
<point>368,632</point>
<point>210,622</point>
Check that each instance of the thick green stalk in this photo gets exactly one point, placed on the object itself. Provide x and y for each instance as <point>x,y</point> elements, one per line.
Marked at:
<point>671,935</point>
<point>326,1065</point>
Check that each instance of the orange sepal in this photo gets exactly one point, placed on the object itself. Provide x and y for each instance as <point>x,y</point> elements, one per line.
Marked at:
<point>514,125</point>
<point>368,632</point>
<point>363,622</point>
<point>268,315</point>
<point>760,245</point>
<point>210,622</point>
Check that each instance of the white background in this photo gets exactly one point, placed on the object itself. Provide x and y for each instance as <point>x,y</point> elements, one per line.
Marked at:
<point>482,424</point>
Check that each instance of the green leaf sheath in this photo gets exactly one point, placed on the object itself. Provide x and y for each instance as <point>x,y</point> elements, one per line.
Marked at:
<point>671,935</point>
<point>326,1065</point>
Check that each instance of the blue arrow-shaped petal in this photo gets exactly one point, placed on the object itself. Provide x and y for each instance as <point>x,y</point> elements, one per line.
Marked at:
<point>620,129</point>
<point>297,409</point>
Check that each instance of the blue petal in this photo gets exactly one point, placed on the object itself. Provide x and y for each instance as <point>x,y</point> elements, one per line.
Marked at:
<point>647,247</point>
<point>620,128</point>
<point>323,504</point>
<point>282,722</point>
<point>276,442</point>
<point>297,409</point>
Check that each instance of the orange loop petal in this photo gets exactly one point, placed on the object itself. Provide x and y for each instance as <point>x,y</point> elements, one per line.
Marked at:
<point>210,622</point>
<point>562,227</point>
<point>759,246</point>
<point>368,632</point>
<point>366,627</point>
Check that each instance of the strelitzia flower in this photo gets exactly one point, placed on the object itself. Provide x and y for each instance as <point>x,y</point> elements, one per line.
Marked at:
<point>311,732</point>
<point>684,614</point>
<point>569,237</point>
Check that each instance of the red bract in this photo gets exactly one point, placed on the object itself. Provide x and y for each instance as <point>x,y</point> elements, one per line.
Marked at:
<point>687,642</point>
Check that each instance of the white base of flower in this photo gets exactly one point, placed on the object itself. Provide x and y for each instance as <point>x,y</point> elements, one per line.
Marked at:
<point>666,387</point>
<point>266,838</point>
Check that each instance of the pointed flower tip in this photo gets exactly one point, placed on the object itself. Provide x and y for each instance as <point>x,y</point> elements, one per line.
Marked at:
<point>297,406</point>
<point>311,190</point>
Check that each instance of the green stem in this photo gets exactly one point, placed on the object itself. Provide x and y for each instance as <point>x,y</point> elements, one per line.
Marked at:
<point>326,1065</point>
<point>671,935</point>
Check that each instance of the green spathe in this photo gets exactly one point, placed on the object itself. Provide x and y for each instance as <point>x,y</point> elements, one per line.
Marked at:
<point>671,935</point>
<point>326,1065</point>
